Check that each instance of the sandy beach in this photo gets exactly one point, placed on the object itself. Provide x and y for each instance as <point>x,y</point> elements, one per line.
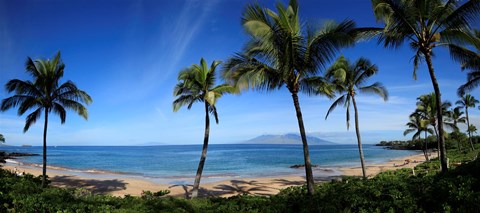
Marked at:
<point>120,185</point>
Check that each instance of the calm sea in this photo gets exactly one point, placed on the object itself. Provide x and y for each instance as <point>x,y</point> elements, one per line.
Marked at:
<point>223,160</point>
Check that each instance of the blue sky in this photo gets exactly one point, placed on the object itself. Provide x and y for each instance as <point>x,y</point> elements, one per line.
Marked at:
<point>126,55</point>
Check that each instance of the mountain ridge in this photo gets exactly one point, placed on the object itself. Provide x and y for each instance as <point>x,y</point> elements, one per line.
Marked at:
<point>286,139</point>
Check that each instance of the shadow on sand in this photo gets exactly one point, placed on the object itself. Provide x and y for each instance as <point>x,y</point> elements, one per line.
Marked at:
<point>95,186</point>
<point>233,188</point>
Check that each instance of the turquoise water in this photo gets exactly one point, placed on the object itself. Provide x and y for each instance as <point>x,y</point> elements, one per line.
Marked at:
<point>223,160</point>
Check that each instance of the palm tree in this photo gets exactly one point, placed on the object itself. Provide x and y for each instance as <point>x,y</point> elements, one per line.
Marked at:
<point>281,53</point>
<point>197,84</point>
<point>427,109</point>
<point>426,25</point>
<point>349,79</point>
<point>418,125</point>
<point>470,60</point>
<point>45,94</point>
<point>2,139</point>
<point>456,117</point>
<point>467,101</point>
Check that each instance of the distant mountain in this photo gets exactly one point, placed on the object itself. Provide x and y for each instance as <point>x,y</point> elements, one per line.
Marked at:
<point>286,139</point>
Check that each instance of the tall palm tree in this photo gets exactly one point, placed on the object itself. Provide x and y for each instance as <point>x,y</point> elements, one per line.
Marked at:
<point>45,94</point>
<point>470,60</point>
<point>467,101</point>
<point>349,79</point>
<point>197,84</point>
<point>418,125</point>
<point>281,53</point>
<point>426,25</point>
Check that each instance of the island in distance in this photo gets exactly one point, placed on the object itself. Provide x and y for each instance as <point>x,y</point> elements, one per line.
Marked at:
<point>286,139</point>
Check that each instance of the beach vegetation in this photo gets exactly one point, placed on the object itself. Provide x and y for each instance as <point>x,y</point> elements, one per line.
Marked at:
<point>44,94</point>
<point>427,25</point>
<point>348,80</point>
<point>423,189</point>
<point>282,52</point>
<point>197,84</point>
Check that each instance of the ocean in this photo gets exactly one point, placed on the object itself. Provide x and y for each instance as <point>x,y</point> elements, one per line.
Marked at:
<point>178,163</point>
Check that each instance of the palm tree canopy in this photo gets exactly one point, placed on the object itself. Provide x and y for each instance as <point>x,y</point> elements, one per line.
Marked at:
<point>2,139</point>
<point>470,60</point>
<point>45,92</point>
<point>426,24</point>
<point>426,107</point>
<point>417,125</point>
<point>197,84</point>
<point>467,101</point>
<point>280,52</point>
<point>350,78</point>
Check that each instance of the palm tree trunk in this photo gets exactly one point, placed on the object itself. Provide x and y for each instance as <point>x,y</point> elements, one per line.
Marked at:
<point>438,142</point>
<point>359,139</point>
<point>438,95</point>
<point>198,176</point>
<point>468,129</point>
<point>426,147</point>
<point>306,154</point>
<point>44,172</point>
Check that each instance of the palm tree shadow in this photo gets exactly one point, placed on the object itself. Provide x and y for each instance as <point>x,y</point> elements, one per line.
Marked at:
<point>185,189</point>
<point>92,185</point>
<point>242,187</point>
<point>285,182</point>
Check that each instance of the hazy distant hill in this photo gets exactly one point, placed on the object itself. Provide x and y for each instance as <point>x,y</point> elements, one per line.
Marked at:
<point>286,139</point>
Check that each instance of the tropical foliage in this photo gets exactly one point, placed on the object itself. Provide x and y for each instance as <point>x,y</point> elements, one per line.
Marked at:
<point>348,80</point>
<point>281,53</point>
<point>417,125</point>
<point>468,101</point>
<point>44,95</point>
<point>426,25</point>
<point>470,61</point>
<point>197,84</point>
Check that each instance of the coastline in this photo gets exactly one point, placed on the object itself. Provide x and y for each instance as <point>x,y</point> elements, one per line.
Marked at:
<point>117,184</point>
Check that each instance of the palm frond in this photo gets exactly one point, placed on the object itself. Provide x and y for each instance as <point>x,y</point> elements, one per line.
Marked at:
<point>376,88</point>
<point>32,118</point>
<point>340,100</point>
<point>60,111</point>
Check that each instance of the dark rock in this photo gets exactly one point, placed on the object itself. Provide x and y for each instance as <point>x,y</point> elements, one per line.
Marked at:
<point>18,154</point>
<point>296,166</point>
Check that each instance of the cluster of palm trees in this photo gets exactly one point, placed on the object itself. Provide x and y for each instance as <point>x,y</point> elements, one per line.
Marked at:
<point>282,52</point>
<point>424,118</point>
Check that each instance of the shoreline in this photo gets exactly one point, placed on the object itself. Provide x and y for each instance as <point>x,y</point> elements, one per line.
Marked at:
<point>121,184</point>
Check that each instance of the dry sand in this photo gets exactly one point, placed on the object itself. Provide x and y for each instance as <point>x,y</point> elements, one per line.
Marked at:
<point>120,185</point>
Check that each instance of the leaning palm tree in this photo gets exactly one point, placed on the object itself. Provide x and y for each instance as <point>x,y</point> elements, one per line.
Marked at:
<point>426,25</point>
<point>349,79</point>
<point>45,94</point>
<point>418,125</point>
<point>197,84</point>
<point>281,53</point>
<point>465,102</point>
